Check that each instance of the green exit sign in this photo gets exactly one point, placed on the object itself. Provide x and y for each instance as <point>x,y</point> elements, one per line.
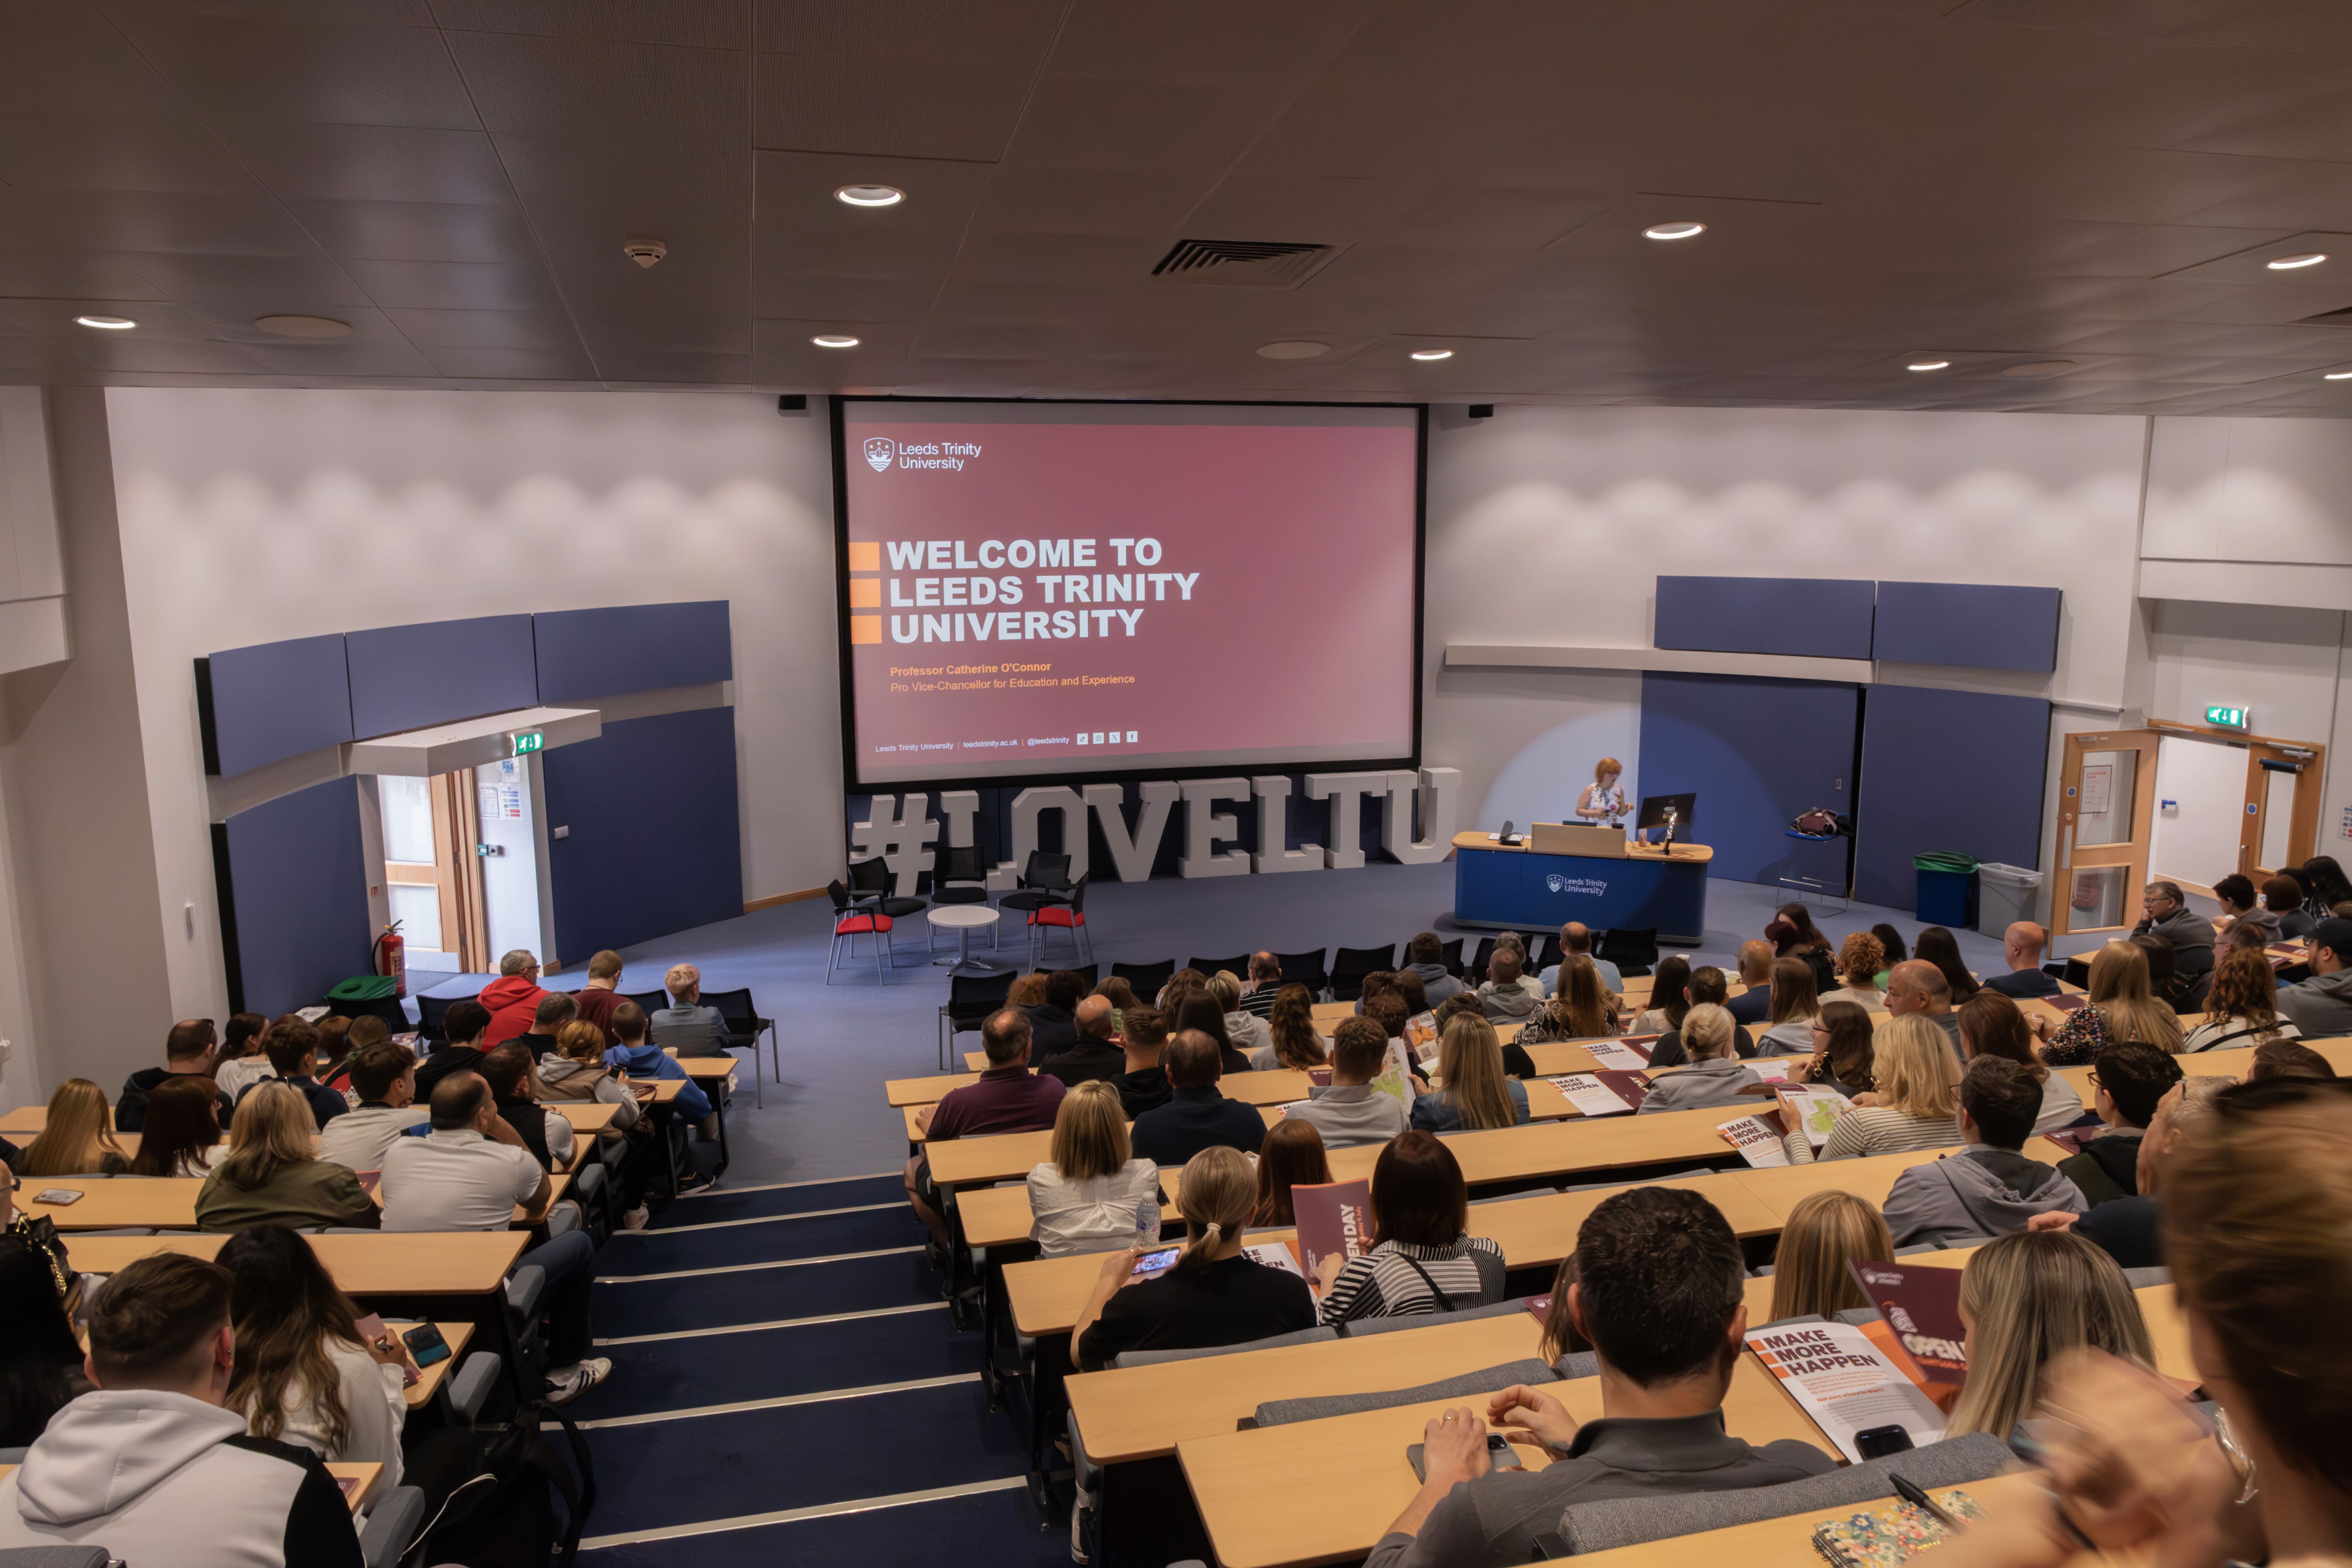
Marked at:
<point>528,740</point>
<point>2228,718</point>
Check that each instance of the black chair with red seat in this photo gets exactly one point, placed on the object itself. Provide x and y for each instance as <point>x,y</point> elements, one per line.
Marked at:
<point>851,921</point>
<point>1045,882</point>
<point>870,888</point>
<point>1070,916</point>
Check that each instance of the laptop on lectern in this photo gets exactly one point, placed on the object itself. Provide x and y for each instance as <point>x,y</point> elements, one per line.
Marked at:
<point>1668,811</point>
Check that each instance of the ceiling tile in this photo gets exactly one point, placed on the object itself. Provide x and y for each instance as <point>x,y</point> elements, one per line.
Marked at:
<point>695,22</point>
<point>416,231</point>
<point>372,162</point>
<point>453,285</point>
<point>822,103</point>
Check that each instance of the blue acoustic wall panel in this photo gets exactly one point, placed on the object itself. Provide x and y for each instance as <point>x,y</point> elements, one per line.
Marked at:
<point>405,677</point>
<point>1755,752</point>
<point>652,846</point>
<point>274,700</point>
<point>1811,617</point>
<point>1980,625</point>
<point>585,654</point>
<point>294,906</point>
<point>1946,770</point>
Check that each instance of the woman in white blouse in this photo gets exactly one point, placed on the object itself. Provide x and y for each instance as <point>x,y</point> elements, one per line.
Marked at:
<point>1092,1195</point>
<point>1602,800</point>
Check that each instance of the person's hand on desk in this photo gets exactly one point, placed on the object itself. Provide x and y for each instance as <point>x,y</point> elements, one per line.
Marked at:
<point>1540,1418</point>
<point>923,1119</point>
<point>389,1350</point>
<point>1452,1451</point>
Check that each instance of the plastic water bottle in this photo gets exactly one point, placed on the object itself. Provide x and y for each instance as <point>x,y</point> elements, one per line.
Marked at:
<point>1147,1225</point>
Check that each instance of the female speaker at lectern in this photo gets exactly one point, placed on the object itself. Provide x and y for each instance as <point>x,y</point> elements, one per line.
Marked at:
<point>1603,803</point>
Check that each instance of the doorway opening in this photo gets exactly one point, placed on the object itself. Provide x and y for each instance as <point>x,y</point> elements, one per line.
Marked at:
<point>463,869</point>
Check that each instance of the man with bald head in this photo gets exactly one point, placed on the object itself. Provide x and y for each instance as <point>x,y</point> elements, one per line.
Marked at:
<point>1097,1054</point>
<point>1754,1003</point>
<point>1916,986</point>
<point>2021,945</point>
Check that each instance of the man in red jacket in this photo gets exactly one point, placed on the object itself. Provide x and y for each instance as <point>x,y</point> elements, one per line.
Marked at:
<point>512,998</point>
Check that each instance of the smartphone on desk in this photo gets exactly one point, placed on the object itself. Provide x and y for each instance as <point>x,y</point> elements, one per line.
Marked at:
<point>1152,1265</point>
<point>426,1344</point>
<point>59,1196</point>
<point>1499,1455</point>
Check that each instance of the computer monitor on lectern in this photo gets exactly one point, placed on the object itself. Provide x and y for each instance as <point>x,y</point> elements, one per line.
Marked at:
<point>1671,812</point>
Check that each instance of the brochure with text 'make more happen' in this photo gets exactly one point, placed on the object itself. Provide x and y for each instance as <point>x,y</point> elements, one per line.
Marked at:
<point>1608,1092</point>
<point>1758,1139</point>
<point>1846,1383</point>
<point>1631,1054</point>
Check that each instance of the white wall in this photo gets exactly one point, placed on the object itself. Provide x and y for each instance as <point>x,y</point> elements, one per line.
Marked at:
<point>1551,525</point>
<point>254,516</point>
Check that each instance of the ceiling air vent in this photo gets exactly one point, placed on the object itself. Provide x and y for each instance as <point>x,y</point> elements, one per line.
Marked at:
<point>1242,263</point>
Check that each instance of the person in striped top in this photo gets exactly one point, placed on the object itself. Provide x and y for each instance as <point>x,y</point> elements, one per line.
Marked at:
<point>1424,1262</point>
<point>1911,1108</point>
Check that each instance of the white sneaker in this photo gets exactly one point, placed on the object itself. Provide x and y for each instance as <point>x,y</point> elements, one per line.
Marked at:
<point>635,1219</point>
<point>566,1383</point>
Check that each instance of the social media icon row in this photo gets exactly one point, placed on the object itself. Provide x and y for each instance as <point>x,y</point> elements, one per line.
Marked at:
<point>1103,738</point>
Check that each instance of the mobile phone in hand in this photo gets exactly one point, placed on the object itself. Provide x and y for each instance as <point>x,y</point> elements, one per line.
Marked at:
<point>1152,1265</point>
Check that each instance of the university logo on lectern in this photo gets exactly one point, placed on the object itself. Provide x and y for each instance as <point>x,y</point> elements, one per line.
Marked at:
<point>1559,884</point>
<point>879,451</point>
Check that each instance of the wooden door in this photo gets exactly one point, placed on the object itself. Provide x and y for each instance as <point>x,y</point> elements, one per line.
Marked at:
<point>2106,812</point>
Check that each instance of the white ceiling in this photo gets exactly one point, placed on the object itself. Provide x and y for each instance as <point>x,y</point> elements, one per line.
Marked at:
<point>1990,182</point>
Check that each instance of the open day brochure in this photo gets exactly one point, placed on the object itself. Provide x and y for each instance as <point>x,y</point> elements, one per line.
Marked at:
<point>1604,1094</point>
<point>1846,1383</point>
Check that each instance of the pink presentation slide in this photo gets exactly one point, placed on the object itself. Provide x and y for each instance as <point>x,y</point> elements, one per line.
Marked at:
<point>1028,594</point>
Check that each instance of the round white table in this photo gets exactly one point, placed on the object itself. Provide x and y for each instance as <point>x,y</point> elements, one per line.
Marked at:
<point>963,920</point>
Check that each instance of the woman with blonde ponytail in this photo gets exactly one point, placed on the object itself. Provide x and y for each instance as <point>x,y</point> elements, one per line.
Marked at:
<point>1212,1294</point>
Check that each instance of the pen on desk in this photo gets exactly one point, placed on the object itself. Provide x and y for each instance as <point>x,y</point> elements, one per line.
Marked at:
<point>1910,1492</point>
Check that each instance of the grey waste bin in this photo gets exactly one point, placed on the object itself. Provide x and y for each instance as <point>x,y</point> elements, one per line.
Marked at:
<point>2005,894</point>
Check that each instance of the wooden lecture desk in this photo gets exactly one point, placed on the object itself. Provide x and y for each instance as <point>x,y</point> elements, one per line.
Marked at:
<point>1321,1491</point>
<point>714,1076</point>
<point>160,1203</point>
<point>1787,1543</point>
<point>458,1263</point>
<point>1513,887</point>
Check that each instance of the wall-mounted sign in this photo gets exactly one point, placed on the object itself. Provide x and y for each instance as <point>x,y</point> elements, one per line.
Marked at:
<point>528,741</point>
<point>2228,718</point>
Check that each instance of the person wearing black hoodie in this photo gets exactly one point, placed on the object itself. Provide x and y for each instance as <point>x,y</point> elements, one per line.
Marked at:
<point>187,1053</point>
<point>2128,1082</point>
<point>1053,1023</point>
<point>465,1025</point>
<point>1144,1085</point>
<point>508,1072</point>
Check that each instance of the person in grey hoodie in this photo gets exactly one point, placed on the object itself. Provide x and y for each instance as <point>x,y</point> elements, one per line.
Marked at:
<point>153,1467</point>
<point>1425,956</point>
<point>1502,999</point>
<point>2166,913</point>
<point>2321,1006</point>
<point>1990,1188</point>
<point>2243,908</point>
<point>1715,1077</point>
<point>1349,1111</point>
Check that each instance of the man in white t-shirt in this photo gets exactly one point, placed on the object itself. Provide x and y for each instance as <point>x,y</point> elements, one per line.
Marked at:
<point>467,1174</point>
<point>384,1074</point>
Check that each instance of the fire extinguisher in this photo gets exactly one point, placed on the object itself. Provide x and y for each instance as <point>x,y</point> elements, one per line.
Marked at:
<point>389,958</point>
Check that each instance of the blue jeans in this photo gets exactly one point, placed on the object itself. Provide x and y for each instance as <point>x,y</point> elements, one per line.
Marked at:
<point>569,1261</point>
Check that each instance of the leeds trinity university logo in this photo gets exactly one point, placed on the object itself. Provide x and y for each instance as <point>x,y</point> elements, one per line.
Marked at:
<point>879,451</point>
<point>1555,881</point>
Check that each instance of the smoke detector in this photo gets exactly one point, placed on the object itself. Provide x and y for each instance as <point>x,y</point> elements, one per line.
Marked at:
<point>645,252</point>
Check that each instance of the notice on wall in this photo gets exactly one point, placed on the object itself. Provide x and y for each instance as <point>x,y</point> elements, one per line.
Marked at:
<point>2098,789</point>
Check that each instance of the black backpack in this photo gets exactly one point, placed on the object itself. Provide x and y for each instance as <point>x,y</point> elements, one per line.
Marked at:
<point>500,1495</point>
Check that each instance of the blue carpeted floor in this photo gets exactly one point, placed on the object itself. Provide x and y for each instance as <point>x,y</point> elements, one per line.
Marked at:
<point>788,1386</point>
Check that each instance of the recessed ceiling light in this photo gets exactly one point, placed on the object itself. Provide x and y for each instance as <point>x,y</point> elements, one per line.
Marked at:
<point>1293,348</point>
<point>1680,229</point>
<point>312,327</point>
<point>870,195</point>
<point>2292,263</point>
<point>2337,375</point>
<point>1929,364</point>
<point>833,340</point>
<point>107,324</point>
<point>1426,354</point>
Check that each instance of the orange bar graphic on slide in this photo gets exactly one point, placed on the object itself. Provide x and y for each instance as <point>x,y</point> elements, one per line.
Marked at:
<point>866,555</point>
<point>864,629</point>
<point>865,592</point>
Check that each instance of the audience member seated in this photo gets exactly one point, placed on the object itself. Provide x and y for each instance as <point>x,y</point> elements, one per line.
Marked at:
<point>1755,973</point>
<point>641,1058</point>
<point>1374,984</point>
<point>1007,1098</point>
<point>1349,1111</point>
<point>1292,1156</point>
<point>2242,906</point>
<point>1794,1005</point>
<point>1581,1011</point>
<point>1028,992</point>
<point>2179,991</point>
<point>1890,940</point>
<point>240,1063</point>
<point>1941,948</point>
<point>1805,940</point>
<point>549,1138</point>
<point>187,1053</point>
<point>2287,1059</point>
<point>1264,986</point>
<point>1575,943</point>
<point>184,1128</point>
<point>1990,1188</point>
<point>1993,1026</point>
<point>1859,962</point>
<point>555,1009</point>
<point>1410,989</point>
<point>1669,997</point>
<point>271,1173</point>
<point>2166,913</point>
<point>2026,1300</point>
<point>1094,1054</point>
<point>2241,1009</point>
<point>1246,1030</point>
<point>334,1046</point>
<point>1093,1196</point>
<point>1844,1047</point>
<point>2129,1083</point>
<point>2323,886</point>
<point>688,1025</point>
<point>384,1074</point>
<point>465,1027</point>
<point>2321,1006</point>
<point>2121,1008</point>
<point>1510,941</point>
<point>1202,1012</point>
<point>1715,1077</point>
<point>1910,1107</point>
<point>1290,1029</point>
<point>77,1139</point>
<point>1144,1085</point>
<point>304,1372</point>
<point>364,1031</point>
<point>1915,987</point>
<point>2282,895</point>
<point>2129,1229</point>
<point>1197,1116</point>
<point>1424,1260</point>
<point>151,1466</point>
<point>2020,949</point>
<point>1477,1092</point>
<point>512,998</point>
<point>469,1173</point>
<point>1824,1232</point>
<point>40,1359</point>
<point>1425,955</point>
<point>596,999</point>
<point>1053,1023</point>
<point>293,1046</point>
<point>1215,1295</point>
<point>1118,993</point>
<point>1658,1293</point>
<point>576,1072</point>
<point>1708,984</point>
<point>1501,996</point>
